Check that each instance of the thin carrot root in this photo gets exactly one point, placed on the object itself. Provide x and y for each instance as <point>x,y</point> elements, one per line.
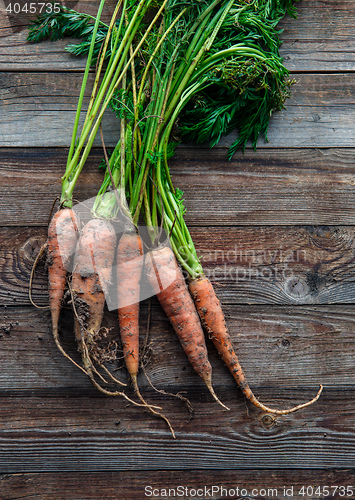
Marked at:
<point>90,281</point>
<point>139,395</point>
<point>210,388</point>
<point>213,321</point>
<point>90,370</point>
<point>150,407</point>
<point>169,285</point>
<point>37,259</point>
<point>178,395</point>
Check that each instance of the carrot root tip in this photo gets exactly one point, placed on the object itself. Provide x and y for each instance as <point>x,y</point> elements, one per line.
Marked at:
<point>295,408</point>
<point>151,408</point>
<point>210,388</point>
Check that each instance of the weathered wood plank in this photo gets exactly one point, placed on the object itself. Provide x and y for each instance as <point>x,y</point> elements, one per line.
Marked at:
<point>318,114</point>
<point>260,265</point>
<point>31,181</point>
<point>305,346</point>
<point>32,103</point>
<point>319,40</point>
<point>99,434</point>
<point>273,187</point>
<point>128,485</point>
<point>37,109</point>
<point>266,187</point>
<point>50,411</point>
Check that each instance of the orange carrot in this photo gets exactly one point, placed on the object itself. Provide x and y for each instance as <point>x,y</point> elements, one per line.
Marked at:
<point>91,277</point>
<point>62,239</point>
<point>212,318</point>
<point>168,283</point>
<point>92,269</point>
<point>129,273</point>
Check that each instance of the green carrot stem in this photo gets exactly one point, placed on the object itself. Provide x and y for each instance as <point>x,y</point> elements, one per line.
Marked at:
<point>199,32</point>
<point>84,82</point>
<point>151,59</point>
<point>215,23</point>
<point>102,58</point>
<point>75,167</point>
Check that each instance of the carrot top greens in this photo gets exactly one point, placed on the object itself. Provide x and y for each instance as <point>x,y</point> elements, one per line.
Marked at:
<point>198,71</point>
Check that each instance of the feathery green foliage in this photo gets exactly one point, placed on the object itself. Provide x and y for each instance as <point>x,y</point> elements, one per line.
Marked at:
<point>206,68</point>
<point>241,91</point>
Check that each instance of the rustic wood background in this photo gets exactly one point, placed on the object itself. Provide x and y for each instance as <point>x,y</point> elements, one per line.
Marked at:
<point>276,231</point>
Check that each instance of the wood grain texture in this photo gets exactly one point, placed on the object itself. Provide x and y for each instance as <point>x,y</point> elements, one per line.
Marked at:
<point>304,346</point>
<point>16,54</point>
<point>318,114</point>
<point>129,485</point>
<point>51,412</point>
<point>275,231</point>
<point>31,178</point>
<point>55,434</point>
<point>273,187</point>
<point>320,39</point>
<point>38,109</point>
<point>257,265</point>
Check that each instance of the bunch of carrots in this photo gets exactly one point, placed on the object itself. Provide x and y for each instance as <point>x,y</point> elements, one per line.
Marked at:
<point>184,65</point>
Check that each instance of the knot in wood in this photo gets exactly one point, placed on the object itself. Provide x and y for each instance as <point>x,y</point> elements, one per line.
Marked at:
<point>268,420</point>
<point>30,249</point>
<point>297,287</point>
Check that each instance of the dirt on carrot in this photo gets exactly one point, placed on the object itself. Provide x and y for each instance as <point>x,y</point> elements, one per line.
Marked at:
<point>168,283</point>
<point>91,277</point>
<point>129,273</point>
<point>63,233</point>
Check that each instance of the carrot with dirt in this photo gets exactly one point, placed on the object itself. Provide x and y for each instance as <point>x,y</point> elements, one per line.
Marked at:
<point>213,320</point>
<point>91,277</point>
<point>129,274</point>
<point>64,226</point>
<point>169,285</point>
<point>92,269</point>
<point>63,233</point>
